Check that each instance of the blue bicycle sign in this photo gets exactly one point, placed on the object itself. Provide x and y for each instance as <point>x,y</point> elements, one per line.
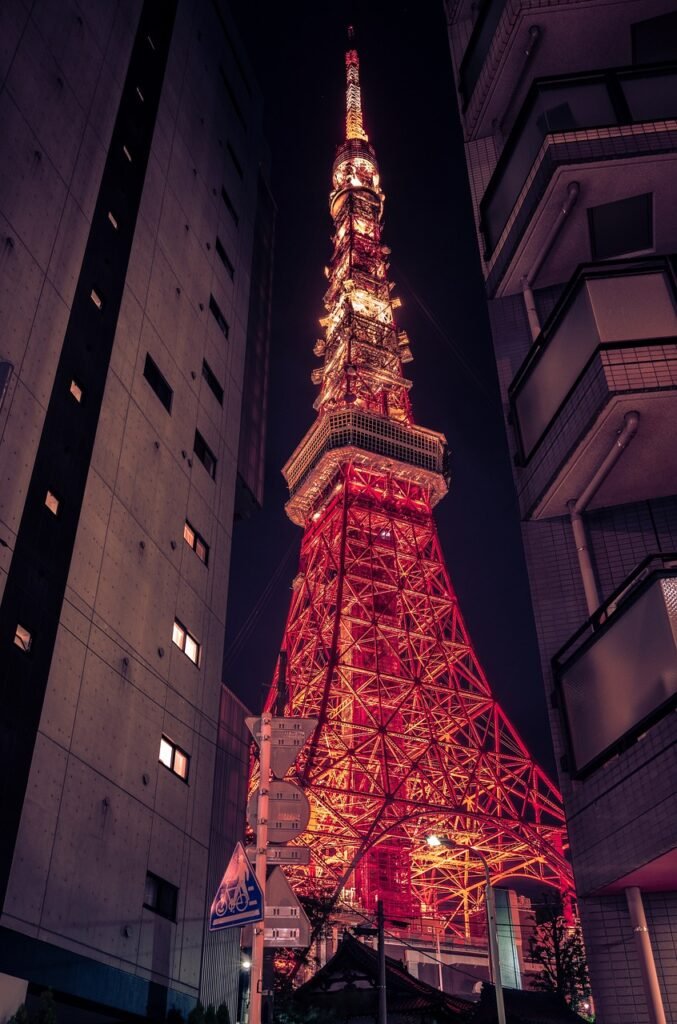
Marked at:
<point>239,899</point>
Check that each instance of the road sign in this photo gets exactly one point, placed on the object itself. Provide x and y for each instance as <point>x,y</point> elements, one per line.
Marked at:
<point>288,811</point>
<point>239,898</point>
<point>283,854</point>
<point>288,736</point>
<point>285,923</point>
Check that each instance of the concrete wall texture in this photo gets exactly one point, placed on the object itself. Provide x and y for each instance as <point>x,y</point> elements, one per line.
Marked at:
<point>100,811</point>
<point>621,815</point>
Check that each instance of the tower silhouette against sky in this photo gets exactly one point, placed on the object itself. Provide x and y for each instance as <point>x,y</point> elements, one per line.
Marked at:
<point>410,739</point>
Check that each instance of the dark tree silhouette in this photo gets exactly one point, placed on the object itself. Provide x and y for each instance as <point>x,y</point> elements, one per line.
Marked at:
<point>557,948</point>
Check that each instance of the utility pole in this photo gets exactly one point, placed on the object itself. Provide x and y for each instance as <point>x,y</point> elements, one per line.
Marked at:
<point>381,940</point>
<point>261,847</point>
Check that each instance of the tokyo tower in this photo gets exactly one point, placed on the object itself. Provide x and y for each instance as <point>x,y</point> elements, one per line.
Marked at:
<point>410,740</point>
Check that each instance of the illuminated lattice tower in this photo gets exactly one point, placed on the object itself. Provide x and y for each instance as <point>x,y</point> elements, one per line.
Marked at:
<point>410,739</point>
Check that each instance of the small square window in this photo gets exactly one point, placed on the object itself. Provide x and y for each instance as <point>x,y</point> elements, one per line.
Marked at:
<point>212,381</point>
<point>223,256</point>
<point>229,205</point>
<point>96,298</point>
<point>160,896</point>
<point>218,316</point>
<point>23,638</point>
<point>112,219</point>
<point>186,642</point>
<point>205,454</point>
<point>196,542</point>
<point>76,391</point>
<point>52,503</point>
<point>158,382</point>
<point>174,758</point>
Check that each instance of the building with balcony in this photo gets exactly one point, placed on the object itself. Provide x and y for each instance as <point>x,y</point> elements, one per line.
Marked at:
<point>135,254</point>
<point>569,114</point>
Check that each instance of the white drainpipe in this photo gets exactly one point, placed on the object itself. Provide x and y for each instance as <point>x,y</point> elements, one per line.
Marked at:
<point>577,507</point>
<point>645,953</point>
<point>573,191</point>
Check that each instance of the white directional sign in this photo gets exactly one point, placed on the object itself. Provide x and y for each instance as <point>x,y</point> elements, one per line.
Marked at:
<point>287,739</point>
<point>288,811</point>
<point>239,899</point>
<point>283,854</point>
<point>285,923</point>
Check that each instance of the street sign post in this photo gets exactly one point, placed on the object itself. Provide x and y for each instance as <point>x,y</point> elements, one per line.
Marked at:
<point>288,735</point>
<point>285,922</point>
<point>288,811</point>
<point>239,898</point>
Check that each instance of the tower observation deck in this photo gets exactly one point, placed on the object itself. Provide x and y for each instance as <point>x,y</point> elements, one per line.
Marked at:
<point>410,740</point>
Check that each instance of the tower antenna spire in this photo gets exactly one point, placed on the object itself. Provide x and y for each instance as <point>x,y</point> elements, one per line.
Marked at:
<point>354,125</point>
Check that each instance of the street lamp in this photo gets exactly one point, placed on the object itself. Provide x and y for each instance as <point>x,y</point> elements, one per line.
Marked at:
<point>494,959</point>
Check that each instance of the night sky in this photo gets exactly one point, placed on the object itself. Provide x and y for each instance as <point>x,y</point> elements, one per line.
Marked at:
<point>410,115</point>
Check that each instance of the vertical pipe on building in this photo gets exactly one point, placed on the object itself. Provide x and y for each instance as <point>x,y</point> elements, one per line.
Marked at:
<point>647,964</point>
<point>578,505</point>
<point>573,191</point>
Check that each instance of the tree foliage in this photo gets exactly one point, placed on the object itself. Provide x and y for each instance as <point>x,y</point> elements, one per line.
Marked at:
<point>557,948</point>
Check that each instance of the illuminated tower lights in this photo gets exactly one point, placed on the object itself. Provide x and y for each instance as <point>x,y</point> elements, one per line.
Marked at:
<point>410,739</point>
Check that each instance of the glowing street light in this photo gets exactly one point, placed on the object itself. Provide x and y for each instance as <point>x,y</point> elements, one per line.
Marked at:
<point>490,902</point>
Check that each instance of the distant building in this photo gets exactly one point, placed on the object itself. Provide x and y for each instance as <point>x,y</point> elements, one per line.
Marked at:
<point>135,256</point>
<point>569,113</point>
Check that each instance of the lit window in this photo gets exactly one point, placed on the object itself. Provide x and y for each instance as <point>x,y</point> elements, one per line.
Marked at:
<point>166,752</point>
<point>196,542</point>
<point>205,454</point>
<point>186,642</point>
<point>127,153</point>
<point>174,758</point>
<point>96,298</point>
<point>112,219</point>
<point>76,391</point>
<point>22,638</point>
<point>160,896</point>
<point>52,502</point>
<point>140,94</point>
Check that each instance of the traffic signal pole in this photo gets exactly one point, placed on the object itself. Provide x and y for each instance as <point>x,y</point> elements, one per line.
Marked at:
<point>261,847</point>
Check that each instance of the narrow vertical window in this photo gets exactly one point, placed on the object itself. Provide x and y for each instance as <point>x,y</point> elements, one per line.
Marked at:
<point>215,310</point>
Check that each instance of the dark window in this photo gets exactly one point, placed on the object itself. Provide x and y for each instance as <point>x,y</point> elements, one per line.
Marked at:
<point>158,383</point>
<point>229,205</point>
<point>621,227</point>
<point>205,454</point>
<point>196,541</point>
<point>224,258</point>
<point>5,377</point>
<point>233,98</point>
<point>160,896</point>
<point>236,163</point>
<point>211,379</point>
<point>655,40</point>
<point>218,315</point>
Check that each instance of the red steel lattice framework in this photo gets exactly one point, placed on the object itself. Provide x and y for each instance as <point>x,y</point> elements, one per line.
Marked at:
<point>410,740</point>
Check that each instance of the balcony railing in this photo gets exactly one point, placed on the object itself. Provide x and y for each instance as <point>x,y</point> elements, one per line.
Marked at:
<point>478,48</point>
<point>578,102</point>
<point>618,674</point>
<point>613,304</point>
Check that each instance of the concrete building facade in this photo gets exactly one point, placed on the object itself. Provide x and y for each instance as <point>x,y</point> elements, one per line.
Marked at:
<point>569,114</point>
<point>135,224</point>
